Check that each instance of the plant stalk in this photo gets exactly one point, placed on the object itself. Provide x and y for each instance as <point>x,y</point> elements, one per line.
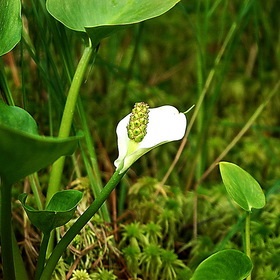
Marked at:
<point>247,239</point>
<point>79,224</point>
<point>67,118</point>
<point>42,255</point>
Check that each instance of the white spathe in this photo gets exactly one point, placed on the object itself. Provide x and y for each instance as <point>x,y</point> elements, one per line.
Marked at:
<point>165,124</point>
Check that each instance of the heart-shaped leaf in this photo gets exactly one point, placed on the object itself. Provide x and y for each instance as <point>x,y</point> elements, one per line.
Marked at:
<point>22,150</point>
<point>101,18</point>
<point>224,265</point>
<point>58,212</point>
<point>241,186</point>
<point>10,24</point>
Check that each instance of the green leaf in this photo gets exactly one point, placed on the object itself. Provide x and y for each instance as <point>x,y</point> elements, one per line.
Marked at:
<point>22,150</point>
<point>242,187</point>
<point>17,118</point>
<point>101,18</point>
<point>58,212</point>
<point>10,24</point>
<point>224,265</point>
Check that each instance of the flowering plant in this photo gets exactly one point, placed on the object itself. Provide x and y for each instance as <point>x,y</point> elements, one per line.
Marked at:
<point>144,129</point>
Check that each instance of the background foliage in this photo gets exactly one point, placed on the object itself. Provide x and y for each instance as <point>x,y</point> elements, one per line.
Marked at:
<point>167,60</point>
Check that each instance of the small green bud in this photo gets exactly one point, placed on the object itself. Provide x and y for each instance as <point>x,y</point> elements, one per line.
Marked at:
<point>137,126</point>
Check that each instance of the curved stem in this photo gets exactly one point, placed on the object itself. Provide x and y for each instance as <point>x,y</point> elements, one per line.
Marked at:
<point>42,255</point>
<point>79,224</point>
<point>6,232</point>
<point>67,118</point>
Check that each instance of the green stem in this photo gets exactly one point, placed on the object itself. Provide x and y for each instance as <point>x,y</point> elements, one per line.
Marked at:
<point>79,224</point>
<point>67,118</point>
<point>42,255</point>
<point>6,232</point>
<point>247,239</point>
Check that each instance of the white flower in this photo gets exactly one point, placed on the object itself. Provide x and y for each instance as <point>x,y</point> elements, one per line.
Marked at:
<point>163,124</point>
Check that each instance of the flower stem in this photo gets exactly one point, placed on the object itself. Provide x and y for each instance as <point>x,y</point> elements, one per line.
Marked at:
<point>79,224</point>
<point>6,232</point>
<point>247,239</point>
<point>67,118</point>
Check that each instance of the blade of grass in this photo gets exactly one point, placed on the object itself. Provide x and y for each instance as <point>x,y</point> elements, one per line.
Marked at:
<point>4,85</point>
<point>230,146</point>
<point>200,100</point>
<point>245,128</point>
<point>36,190</point>
<point>229,37</point>
<point>20,270</point>
<point>92,166</point>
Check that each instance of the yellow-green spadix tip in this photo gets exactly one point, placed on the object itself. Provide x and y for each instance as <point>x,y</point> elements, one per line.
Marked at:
<point>139,118</point>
